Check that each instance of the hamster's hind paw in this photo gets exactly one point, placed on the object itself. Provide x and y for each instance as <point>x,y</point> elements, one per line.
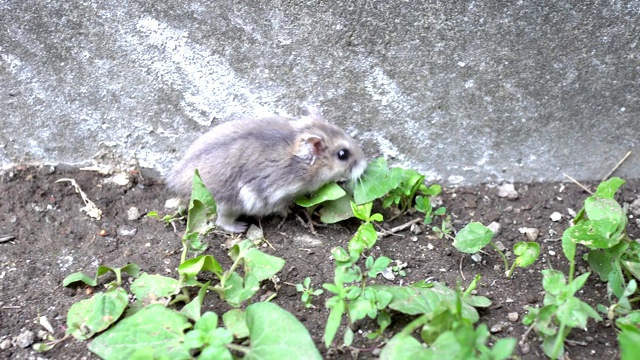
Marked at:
<point>230,224</point>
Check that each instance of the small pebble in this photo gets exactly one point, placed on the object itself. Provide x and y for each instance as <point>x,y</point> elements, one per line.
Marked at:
<point>127,231</point>
<point>500,246</point>
<point>495,227</point>
<point>5,344</point>
<point>531,233</point>
<point>497,328</point>
<point>508,191</point>
<point>476,257</point>
<point>25,339</point>
<point>525,348</point>
<point>556,216</point>
<point>388,274</point>
<point>133,213</point>
<point>512,316</point>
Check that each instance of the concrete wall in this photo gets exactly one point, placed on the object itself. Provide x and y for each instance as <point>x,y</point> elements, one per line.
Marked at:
<point>466,91</point>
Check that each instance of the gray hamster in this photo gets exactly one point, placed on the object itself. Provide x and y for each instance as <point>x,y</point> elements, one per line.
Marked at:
<point>258,167</point>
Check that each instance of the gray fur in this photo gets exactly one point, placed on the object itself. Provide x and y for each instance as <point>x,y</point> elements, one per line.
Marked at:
<point>259,166</point>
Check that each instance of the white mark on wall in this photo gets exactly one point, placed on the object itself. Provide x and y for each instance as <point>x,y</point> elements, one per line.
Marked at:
<point>211,88</point>
<point>383,89</point>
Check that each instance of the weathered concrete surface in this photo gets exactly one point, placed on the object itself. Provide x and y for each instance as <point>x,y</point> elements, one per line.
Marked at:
<point>466,91</point>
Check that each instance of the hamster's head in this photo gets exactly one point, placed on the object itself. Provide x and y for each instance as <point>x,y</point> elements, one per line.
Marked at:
<point>330,153</point>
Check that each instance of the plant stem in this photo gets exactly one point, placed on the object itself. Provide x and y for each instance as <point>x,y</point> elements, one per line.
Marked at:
<point>559,340</point>
<point>236,347</point>
<point>513,267</point>
<point>504,258</point>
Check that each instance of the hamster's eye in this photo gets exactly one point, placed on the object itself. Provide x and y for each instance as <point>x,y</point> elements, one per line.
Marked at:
<point>343,154</point>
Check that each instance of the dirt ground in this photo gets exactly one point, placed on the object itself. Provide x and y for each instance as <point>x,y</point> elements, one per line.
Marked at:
<point>46,237</point>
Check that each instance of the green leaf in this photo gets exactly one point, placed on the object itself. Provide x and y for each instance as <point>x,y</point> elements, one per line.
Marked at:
<point>629,340</point>
<point>602,208</point>
<point>330,191</point>
<point>262,266</point>
<point>200,193</point>
<point>192,267</point>
<point>568,245</point>
<point>402,346</point>
<point>473,237</point>
<point>379,266</point>
<point>235,321</point>
<point>607,189</point>
<point>90,316</point>
<point>276,334</point>
<point>376,181</point>
<point>155,285</point>
<point>527,253</point>
<point>237,290</point>
<point>79,276</point>
<point>335,211</point>
<point>596,234</point>
<point>413,300</point>
<point>362,211</point>
<point>333,322</point>
<point>154,326</point>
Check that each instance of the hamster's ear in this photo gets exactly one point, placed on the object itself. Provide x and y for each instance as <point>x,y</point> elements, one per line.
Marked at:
<point>314,112</point>
<point>310,147</point>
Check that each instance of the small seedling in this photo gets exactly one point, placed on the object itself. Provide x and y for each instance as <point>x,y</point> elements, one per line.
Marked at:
<point>474,236</point>
<point>561,312</point>
<point>307,292</point>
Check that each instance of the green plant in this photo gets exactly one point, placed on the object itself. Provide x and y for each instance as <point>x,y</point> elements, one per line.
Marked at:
<point>179,334</point>
<point>446,327</point>
<point>474,236</point>
<point>601,226</point>
<point>562,311</point>
<point>307,292</point>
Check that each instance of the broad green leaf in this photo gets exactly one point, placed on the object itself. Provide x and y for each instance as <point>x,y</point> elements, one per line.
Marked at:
<point>526,252</point>
<point>362,211</point>
<point>503,349</point>
<point>378,266</point>
<point>553,281</point>
<point>237,290</point>
<point>608,188</point>
<point>413,300</point>
<point>276,334</point>
<point>262,266</point>
<point>200,193</point>
<point>403,346</point>
<point>79,276</point>
<point>335,211</point>
<point>155,285</point>
<point>154,327</point>
<point>330,191</point>
<point>192,267</point>
<point>600,262</point>
<point>596,234</point>
<point>601,208</point>
<point>197,218</point>
<point>90,316</point>
<point>473,237</point>
<point>629,340</point>
<point>575,313</point>
<point>376,181</point>
<point>235,321</point>
<point>340,254</point>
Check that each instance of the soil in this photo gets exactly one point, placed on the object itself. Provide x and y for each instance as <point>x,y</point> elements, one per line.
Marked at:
<point>47,237</point>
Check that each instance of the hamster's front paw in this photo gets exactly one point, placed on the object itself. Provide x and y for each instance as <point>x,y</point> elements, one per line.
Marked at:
<point>229,223</point>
